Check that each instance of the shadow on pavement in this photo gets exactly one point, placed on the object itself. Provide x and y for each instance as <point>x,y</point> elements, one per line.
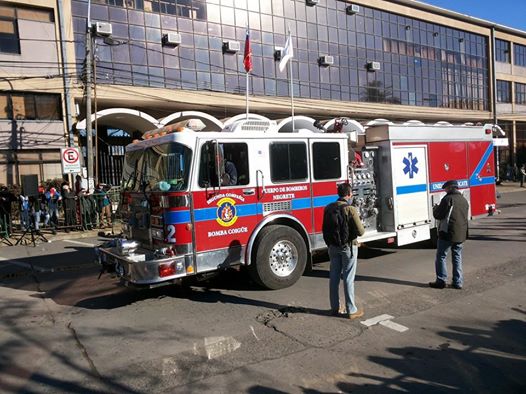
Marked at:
<point>470,359</point>
<point>16,377</point>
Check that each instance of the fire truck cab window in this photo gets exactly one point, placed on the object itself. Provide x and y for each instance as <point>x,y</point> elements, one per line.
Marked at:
<point>326,160</point>
<point>229,160</point>
<point>288,161</point>
<point>163,168</point>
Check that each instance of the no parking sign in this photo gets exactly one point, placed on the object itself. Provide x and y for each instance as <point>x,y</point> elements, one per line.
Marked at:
<point>70,159</point>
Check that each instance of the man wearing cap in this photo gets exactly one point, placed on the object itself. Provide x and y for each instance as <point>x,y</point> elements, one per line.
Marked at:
<point>453,209</point>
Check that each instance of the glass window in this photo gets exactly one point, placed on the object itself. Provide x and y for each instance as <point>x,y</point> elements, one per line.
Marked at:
<point>166,167</point>
<point>48,106</point>
<point>326,160</point>
<point>520,93</point>
<point>228,159</point>
<point>288,161</point>
<point>9,40</point>
<point>503,91</point>
<point>131,170</point>
<point>30,106</point>
<point>519,55</point>
<point>502,51</point>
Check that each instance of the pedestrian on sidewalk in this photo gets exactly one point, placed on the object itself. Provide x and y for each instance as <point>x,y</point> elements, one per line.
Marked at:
<point>452,212</point>
<point>7,199</point>
<point>341,227</point>
<point>53,199</point>
<point>69,204</point>
<point>522,174</point>
<point>104,206</point>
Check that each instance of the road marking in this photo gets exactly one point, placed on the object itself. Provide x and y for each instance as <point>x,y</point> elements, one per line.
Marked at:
<point>377,319</point>
<point>394,326</point>
<point>23,264</point>
<point>219,346</point>
<point>79,243</point>
<point>254,332</point>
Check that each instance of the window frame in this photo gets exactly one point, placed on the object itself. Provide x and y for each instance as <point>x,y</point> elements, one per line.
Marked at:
<point>316,163</point>
<point>12,40</point>
<point>519,55</point>
<point>281,163</point>
<point>29,100</point>
<point>502,51</point>
<point>242,168</point>
<point>501,92</point>
<point>520,93</point>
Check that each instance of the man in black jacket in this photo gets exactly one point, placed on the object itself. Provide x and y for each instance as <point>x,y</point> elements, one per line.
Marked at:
<point>453,212</point>
<point>6,200</point>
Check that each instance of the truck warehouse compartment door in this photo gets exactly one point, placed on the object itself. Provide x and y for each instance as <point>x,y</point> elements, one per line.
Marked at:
<point>410,193</point>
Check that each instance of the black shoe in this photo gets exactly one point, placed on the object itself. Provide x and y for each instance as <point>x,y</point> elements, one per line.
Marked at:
<point>438,284</point>
<point>455,286</point>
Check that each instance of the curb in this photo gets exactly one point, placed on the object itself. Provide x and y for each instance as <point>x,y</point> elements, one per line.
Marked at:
<point>58,237</point>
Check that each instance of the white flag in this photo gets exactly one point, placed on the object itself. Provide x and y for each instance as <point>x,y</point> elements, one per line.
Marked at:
<point>286,53</point>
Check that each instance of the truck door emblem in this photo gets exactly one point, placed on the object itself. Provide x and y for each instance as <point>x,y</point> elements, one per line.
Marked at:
<point>410,165</point>
<point>226,212</point>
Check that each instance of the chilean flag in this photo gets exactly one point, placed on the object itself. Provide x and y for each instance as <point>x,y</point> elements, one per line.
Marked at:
<point>247,58</point>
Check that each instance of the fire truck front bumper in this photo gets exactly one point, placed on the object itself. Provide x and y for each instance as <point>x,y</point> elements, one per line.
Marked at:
<point>141,268</point>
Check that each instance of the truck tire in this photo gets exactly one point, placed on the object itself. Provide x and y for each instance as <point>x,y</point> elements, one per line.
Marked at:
<point>280,257</point>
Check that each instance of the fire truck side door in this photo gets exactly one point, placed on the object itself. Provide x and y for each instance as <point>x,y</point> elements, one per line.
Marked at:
<point>225,210</point>
<point>328,166</point>
<point>410,189</point>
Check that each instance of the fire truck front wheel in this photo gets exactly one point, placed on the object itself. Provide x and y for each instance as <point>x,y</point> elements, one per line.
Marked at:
<point>280,257</point>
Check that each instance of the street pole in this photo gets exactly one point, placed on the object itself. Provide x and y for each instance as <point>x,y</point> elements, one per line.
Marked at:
<point>89,141</point>
<point>494,100</point>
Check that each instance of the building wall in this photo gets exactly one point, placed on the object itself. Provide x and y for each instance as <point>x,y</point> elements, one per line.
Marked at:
<point>423,63</point>
<point>32,130</point>
<point>512,114</point>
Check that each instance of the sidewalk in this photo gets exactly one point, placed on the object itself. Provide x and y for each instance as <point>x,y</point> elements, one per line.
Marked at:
<point>62,235</point>
<point>508,186</point>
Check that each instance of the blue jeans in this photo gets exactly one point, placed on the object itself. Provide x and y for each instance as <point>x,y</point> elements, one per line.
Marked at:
<point>343,265</point>
<point>456,257</point>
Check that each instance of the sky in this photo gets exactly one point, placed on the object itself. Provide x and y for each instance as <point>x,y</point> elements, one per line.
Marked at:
<point>511,13</point>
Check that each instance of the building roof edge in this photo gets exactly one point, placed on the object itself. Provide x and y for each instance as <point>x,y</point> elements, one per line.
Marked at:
<point>460,16</point>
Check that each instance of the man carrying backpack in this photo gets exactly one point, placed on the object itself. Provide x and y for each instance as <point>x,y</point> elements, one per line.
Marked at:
<point>341,227</point>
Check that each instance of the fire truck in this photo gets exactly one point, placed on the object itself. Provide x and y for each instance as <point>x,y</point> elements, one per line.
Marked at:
<point>194,202</point>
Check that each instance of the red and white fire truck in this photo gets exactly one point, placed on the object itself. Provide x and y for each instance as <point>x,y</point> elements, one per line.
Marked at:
<point>196,202</point>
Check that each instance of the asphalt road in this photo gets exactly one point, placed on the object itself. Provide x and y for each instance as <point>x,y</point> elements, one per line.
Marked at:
<point>64,331</point>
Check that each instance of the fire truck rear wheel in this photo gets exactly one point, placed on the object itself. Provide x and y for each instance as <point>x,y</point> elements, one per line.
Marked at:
<point>280,257</point>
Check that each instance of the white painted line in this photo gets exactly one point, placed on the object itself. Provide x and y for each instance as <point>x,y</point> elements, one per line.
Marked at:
<point>254,332</point>
<point>79,243</point>
<point>394,326</point>
<point>377,319</point>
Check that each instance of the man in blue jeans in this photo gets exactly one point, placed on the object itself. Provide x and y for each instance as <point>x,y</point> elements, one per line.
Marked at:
<point>343,250</point>
<point>453,212</point>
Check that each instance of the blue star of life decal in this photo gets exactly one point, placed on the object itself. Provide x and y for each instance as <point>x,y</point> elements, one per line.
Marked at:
<point>410,165</point>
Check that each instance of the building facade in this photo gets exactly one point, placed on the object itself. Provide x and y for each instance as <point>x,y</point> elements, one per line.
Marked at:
<point>365,59</point>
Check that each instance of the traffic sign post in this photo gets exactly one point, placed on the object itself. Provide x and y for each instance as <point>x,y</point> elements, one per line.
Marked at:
<point>70,159</point>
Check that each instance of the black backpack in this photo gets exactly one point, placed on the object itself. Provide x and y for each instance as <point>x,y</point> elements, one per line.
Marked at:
<point>336,225</point>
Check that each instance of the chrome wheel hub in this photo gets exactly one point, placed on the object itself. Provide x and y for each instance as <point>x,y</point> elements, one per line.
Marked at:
<point>283,258</point>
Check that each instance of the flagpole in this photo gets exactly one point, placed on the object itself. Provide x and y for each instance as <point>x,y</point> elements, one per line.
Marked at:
<point>247,64</point>
<point>246,98</point>
<point>291,94</point>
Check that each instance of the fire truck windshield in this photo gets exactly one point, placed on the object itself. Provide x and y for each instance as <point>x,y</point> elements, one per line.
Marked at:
<point>164,167</point>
